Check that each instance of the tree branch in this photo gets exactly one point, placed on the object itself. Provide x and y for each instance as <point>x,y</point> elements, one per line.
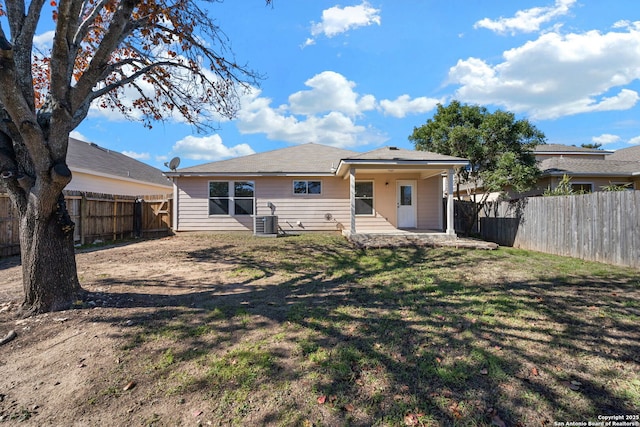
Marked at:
<point>112,39</point>
<point>87,23</point>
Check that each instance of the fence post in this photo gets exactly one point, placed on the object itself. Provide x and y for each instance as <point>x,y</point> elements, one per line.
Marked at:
<point>83,217</point>
<point>137,217</point>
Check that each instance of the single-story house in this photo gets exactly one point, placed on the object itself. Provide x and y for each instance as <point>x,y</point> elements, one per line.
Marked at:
<point>590,169</point>
<point>99,170</point>
<point>313,187</point>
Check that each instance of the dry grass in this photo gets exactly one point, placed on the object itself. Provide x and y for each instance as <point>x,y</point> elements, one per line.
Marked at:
<point>308,331</point>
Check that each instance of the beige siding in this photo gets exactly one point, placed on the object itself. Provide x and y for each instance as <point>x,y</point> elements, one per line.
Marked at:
<point>99,184</point>
<point>328,211</point>
<point>430,204</point>
<point>305,212</point>
<point>295,213</point>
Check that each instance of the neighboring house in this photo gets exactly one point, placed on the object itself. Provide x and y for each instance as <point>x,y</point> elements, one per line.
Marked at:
<point>313,187</point>
<point>100,170</point>
<point>589,169</point>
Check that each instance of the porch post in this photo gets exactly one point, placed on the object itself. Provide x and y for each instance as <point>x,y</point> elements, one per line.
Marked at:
<point>450,224</point>
<point>352,199</point>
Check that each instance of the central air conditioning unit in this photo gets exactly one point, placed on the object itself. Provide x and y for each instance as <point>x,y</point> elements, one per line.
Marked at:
<point>266,226</point>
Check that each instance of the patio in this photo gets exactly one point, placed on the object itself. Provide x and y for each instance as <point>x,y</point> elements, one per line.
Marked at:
<point>399,238</point>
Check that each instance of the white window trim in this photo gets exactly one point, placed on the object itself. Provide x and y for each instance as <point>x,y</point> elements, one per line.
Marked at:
<point>232,198</point>
<point>293,188</point>
<point>373,198</point>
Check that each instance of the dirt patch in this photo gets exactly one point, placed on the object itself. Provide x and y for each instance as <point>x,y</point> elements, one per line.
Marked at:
<point>62,362</point>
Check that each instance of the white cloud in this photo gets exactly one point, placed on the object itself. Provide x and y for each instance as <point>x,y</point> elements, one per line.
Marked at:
<point>605,138</point>
<point>635,140</point>
<point>337,20</point>
<point>557,75</point>
<point>209,148</point>
<point>330,128</point>
<point>404,105</point>
<point>330,91</point>
<point>527,21</point>
<point>137,156</point>
<point>44,41</point>
<point>77,135</point>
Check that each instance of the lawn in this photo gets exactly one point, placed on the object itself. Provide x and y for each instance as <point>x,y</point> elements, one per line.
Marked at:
<point>308,331</point>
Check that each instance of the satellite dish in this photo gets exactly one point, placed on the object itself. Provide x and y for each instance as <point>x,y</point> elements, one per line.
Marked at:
<point>174,163</point>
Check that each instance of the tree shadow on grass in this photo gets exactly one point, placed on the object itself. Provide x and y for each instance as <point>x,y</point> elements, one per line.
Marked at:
<point>377,335</point>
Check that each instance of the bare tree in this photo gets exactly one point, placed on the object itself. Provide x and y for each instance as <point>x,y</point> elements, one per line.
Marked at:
<point>169,53</point>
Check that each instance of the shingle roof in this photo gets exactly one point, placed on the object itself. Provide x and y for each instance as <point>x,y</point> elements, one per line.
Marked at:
<point>308,159</point>
<point>566,149</point>
<point>628,154</point>
<point>303,159</point>
<point>92,158</point>
<point>400,154</point>
<point>572,166</point>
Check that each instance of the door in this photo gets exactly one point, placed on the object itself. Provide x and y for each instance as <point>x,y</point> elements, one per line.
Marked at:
<point>407,217</point>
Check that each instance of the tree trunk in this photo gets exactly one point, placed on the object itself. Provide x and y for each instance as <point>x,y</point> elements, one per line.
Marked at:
<point>50,277</point>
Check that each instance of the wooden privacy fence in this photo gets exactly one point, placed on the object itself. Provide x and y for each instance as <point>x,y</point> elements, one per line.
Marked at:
<point>602,226</point>
<point>98,217</point>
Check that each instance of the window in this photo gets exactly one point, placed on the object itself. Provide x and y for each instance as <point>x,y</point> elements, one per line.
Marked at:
<point>364,198</point>
<point>307,187</point>
<point>243,198</point>
<point>231,197</point>
<point>583,188</point>
<point>219,198</point>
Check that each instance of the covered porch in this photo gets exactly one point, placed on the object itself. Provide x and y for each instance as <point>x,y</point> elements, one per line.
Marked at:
<point>399,192</point>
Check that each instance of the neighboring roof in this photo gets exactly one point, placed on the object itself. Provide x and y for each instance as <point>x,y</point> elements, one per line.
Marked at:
<point>567,150</point>
<point>587,167</point>
<point>631,154</point>
<point>307,159</point>
<point>90,158</point>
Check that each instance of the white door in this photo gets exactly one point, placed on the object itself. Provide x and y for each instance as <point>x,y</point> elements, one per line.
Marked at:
<point>407,204</point>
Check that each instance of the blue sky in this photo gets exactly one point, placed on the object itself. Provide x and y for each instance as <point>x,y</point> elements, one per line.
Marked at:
<point>362,74</point>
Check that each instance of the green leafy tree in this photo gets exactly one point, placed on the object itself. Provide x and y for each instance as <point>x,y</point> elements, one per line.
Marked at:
<point>170,53</point>
<point>592,145</point>
<point>499,149</point>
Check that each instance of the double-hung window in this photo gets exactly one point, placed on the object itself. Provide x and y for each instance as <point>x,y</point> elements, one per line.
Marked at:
<point>364,197</point>
<point>231,197</point>
<point>307,187</point>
